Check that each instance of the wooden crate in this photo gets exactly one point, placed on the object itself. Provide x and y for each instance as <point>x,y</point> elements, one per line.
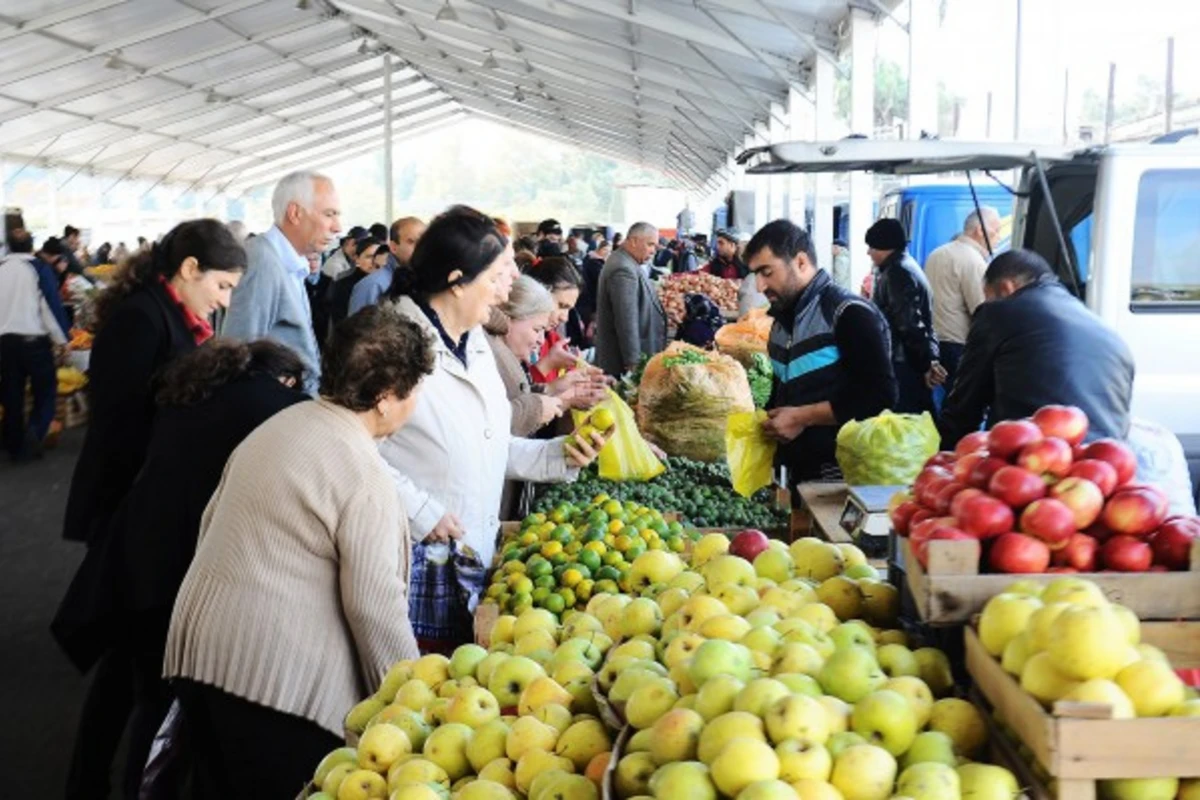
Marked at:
<point>950,588</point>
<point>1080,743</point>
<point>608,788</point>
<point>486,614</point>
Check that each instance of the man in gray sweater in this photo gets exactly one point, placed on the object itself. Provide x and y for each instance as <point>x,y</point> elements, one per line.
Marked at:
<point>630,321</point>
<point>270,300</point>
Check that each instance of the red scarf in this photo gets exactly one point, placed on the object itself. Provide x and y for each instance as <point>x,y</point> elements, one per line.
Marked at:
<point>199,327</point>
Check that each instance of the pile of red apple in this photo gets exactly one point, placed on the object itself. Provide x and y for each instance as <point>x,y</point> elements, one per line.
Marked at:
<point>1040,500</point>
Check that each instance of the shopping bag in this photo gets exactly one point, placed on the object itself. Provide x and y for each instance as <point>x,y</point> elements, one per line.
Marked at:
<point>625,456</point>
<point>750,453</point>
<point>887,450</point>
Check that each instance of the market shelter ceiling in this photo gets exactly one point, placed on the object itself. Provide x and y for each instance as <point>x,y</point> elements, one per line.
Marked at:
<point>230,93</point>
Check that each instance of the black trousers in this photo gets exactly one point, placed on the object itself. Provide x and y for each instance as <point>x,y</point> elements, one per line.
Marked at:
<point>951,354</point>
<point>915,396</point>
<point>102,722</point>
<point>26,359</point>
<point>243,750</point>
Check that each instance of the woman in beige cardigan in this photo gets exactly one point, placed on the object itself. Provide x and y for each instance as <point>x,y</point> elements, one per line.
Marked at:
<point>516,331</point>
<point>296,603</point>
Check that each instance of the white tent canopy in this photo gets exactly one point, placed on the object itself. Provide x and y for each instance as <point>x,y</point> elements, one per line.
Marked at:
<point>232,93</point>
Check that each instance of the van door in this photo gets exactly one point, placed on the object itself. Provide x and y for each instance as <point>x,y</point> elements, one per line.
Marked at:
<point>1146,276</point>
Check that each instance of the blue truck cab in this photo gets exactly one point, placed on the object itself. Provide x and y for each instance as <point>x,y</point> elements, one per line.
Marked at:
<point>933,214</point>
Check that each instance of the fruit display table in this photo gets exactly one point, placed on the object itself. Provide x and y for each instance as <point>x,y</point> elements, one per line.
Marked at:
<point>951,590</point>
<point>1078,744</point>
<point>821,505</point>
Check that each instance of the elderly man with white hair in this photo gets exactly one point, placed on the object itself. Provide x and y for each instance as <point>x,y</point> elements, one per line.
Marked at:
<point>630,320</point>
<point>955,274</point>
<point>271,301</point>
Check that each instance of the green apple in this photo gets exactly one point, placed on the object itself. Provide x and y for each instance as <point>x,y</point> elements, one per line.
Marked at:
<point>896,660</point>
<point>816,559</point>
<point>840,742</point>
<point>653,567</point>
<point>759,695</point>
<point>855,633</point>
<point>381,746</point>
<point>540,785</point>
<point>580,650</point>
<point>1004,616</point>
<point>399,674</point>
<point>720,731</point>
<point>1139,789</point>
<point>642,616</point>
<point>485,668</point>
<point>850,674</point>
<point>862,572</point>
<point>929,780</point>
<point>342,755</point>
<point>801,684</point>
<point>962,722</point>
<point>715,697</point>
<point>473,707</point>
<point>419,771</point>
<point>796,657</point>
<point>465,660</point>
<point>774,564</point>
<point>987,782</point>
<point>763,639</point>
<point>683,779</point>
<point>935,670</point>
<point>768,790</point>
<point>533,619</point>
<point>886,719</point>
<point>930,746</point>
<point>741,762</point>
<point>650,702</point>
<point>582,741</point>
<point>719,657</point>
<point>335,777</point>
<point>487,744</point>
<point>726,570</point>
<point>864,772</point>
<point>484,790</point>
<point>916,692</point>
<point>512,675</point>
<point>633,774</point>
<point>802,632</point>
<point>362,713</point>
<point>632,679</point>
<point>447,747</point>
<point>799,761</point>
<point>799,718</point>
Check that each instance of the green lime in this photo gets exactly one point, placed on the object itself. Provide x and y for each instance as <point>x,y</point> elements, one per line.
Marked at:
<point>555,604</point>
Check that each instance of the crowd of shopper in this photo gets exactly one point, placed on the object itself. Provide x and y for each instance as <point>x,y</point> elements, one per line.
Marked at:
<point>302,442</point>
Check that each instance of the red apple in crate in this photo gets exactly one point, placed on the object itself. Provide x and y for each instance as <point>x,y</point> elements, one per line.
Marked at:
<point>919,533</point>
<point>1115,453</point>
<point>971,443</point>
<point>1049,520</point>
<point>920,515</point>
<point>1063,422</point>
<point>1172,543</point>
<point>1050,456</point>
<point>1078,553</point>
<point>1101,473</point>
<point>1126,554</point>
<point>966,463</point>
<point>966,494</point>
<point>982,472</point>
<point>1135,511</point>
<point>984,517</point>
<point>943,458</point>
<point>902,515</point>
<point>942,534</point>
<point>1084,498</point>
<point>1006,439</point>
<point>1018,553</point>
<point>930,490</point>
<point>944,496</point>
<point>925,477</point>
<point>748,544</point>
<point>1098,532</point>
<point>1016,486</point>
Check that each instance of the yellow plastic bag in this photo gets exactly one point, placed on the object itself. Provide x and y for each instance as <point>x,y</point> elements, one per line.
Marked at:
<point>626,456</point>
<point>751,454</point>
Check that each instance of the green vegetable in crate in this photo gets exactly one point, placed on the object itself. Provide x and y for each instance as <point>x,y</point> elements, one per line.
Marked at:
<point>761,378</point>
<point>887,450</point>
<point>685,398</point>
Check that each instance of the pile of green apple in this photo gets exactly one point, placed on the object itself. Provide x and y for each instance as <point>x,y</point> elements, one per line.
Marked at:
<point>1066,641</point>
<point>755,681</point>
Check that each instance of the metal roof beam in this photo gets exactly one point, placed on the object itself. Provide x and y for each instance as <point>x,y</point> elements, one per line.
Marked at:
<point>67,14</point>
<point>112,114</point>
<point>126,78</point>
<point>119,42</point>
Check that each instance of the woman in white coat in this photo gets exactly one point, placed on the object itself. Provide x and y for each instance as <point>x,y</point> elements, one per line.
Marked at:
<point>453,456</point>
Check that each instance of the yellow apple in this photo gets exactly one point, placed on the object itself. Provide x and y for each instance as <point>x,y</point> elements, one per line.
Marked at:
<point>642,616</point>
<point>526,734</point>
<point>1153,686</point>
<point>699,608</point>
<point>534,762</point>
<point>583,741</point>
<point>759,695</point>
<point>675,736</point>
<point>1139,789</point>
<point>741,762</point>
<point>556,716</point>
<point>541,691</point>
<point>633,774</point>
<point>798,718</point>
<point>987,782</point>
<point>447,747</point>
<point>838,711</point>
<point>416,694</point>
<point>681,648</point>
<point>1087,643</point>
<point>499,771</point>
<point>1103,692</point>
<point>653,567</point>
<point>799,761</point>
<point>336,776</point>
<point>842,595</point>
<point>962,722</point>
<point>487,744</point>
<point>886,719</point>
<point>380,746</point>
<point>484,790</point>
<point>362,713</point>
<point>1003,617</point>
<point>473,706</point>
<point>716,696</point>
<point>433,669</point>
<point>1016,653</point>
<point>816,559</point>
<point>362,784</point>
<point>399,674</point>
<point>726,570</point>
<point>796,658</point>
<point>683,779</point>
<point>502,629</point>
<point>809,789</point>
<point>416,770</point>
<point>1076,591</point>
<point>914,690</point>
<point>533,619</point>
<point>929,781</point>
<point>864,772</point>
<point>819,615</point>
<point>768,790</point>
<point>719,731</point>
<point>725,626</point>
<point>649,702</point>
<point>935,670</point>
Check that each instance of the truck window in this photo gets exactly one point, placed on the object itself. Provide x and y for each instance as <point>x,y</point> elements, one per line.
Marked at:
<point>1166,241</point>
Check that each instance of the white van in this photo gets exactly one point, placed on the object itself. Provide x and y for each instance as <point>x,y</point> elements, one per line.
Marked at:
<point>1123,233</point>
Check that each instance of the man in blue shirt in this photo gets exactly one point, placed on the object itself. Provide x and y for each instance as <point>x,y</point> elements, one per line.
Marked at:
<point>402,238</point>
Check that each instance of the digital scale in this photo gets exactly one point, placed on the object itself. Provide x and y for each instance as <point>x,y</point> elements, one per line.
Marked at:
<point>865,517</point>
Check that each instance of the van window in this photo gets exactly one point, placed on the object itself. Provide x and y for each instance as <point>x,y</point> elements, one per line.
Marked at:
<point>1166,241</point>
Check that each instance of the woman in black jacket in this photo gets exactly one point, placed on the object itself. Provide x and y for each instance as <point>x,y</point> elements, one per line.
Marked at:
<point>156,310</point>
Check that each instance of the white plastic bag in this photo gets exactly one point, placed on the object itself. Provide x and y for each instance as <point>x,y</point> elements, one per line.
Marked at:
<point>1161,462</point>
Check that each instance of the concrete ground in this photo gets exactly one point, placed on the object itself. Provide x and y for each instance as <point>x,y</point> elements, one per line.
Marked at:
<point>40,692</point>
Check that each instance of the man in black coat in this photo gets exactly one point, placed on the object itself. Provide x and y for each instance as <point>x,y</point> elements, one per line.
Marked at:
<point>902,294</point>
<point>1033,344</point>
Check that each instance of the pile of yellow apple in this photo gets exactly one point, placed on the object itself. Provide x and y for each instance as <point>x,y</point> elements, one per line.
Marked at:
<point>1066,641</point>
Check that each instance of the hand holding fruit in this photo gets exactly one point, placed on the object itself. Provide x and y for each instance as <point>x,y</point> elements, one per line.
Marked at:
<point>784,424</point>
<point>583,451</point>
<point>448,528</point>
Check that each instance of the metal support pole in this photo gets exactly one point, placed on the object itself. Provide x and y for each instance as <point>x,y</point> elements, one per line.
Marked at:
<point>1169,109</point>
<point>862,120</point>
<point>1108,104</point>
<point>1017,77</point>
<point>823,126</point>
<point>387,138</point>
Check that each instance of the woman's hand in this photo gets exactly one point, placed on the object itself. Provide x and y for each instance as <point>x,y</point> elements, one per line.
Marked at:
<point>551,407</point>
<point>560,356</point>
<point>449,527</point>
<point>581,453</point>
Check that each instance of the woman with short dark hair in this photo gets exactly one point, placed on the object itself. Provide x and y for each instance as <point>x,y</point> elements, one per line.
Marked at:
<point>453,457</point>
<point>210,400</point>
<point>296,603</point>
<point>369,255</point>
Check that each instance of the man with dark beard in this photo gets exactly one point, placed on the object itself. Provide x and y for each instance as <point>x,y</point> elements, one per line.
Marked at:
<point>830,351</point>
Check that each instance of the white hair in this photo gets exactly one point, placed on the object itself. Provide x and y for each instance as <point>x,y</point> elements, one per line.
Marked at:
<point>528,298</point>
<point>238,229</point>
<point>642,230</point>
<point>976,219</point>
<point>297,187</point>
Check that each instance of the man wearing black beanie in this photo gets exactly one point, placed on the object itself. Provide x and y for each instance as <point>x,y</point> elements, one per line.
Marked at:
<point>902,294</point>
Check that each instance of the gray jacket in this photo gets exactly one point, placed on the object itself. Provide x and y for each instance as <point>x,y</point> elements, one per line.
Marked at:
<point>630,320</point>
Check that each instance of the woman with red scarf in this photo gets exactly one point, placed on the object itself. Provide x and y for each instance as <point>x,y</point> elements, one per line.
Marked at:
<point>157,309</point>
